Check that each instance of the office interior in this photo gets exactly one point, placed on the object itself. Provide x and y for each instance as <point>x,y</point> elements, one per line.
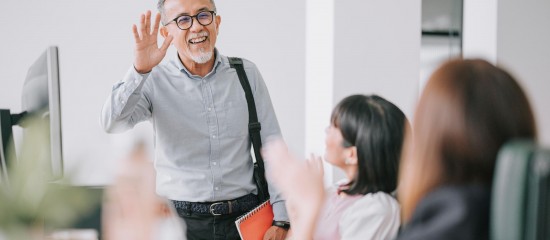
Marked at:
<point>311,53</point>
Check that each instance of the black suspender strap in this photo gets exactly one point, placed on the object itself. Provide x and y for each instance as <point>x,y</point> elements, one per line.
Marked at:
<point>254,128</point>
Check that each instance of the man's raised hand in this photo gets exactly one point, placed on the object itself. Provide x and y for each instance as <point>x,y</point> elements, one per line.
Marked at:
<point>147,52</point>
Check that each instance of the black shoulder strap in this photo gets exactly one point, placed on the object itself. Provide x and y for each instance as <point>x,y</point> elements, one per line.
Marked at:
<point>254,128</point>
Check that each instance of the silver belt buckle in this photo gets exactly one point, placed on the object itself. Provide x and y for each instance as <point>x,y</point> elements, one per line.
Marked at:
<point>212,209</point>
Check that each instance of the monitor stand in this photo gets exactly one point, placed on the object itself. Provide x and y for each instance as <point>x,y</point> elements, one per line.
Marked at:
<point>7,148</point>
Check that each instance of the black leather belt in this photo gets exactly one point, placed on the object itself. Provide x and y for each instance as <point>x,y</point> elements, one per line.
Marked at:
<point>239,205</point>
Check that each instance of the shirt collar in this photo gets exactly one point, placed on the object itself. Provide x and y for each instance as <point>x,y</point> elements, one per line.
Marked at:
<point>182,68</point>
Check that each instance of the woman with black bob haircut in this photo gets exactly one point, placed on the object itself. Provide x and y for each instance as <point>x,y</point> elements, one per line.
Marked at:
<point>374,128</point>
<point>364,140</point>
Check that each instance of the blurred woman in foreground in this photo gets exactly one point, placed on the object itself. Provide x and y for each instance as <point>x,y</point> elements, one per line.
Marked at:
<point>468,110</point>
<point>132,209</point>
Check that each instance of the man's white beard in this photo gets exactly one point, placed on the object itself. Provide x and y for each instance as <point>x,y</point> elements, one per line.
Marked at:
<point>202,57</point>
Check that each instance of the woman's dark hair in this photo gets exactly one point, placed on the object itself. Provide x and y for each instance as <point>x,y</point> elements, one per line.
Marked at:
<point>376,127</point>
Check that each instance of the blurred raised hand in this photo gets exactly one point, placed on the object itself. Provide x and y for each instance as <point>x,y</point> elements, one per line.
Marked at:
<point>131,209</point>
<point>147,52</point>
<point>301,183</point>
<point>316,162</point>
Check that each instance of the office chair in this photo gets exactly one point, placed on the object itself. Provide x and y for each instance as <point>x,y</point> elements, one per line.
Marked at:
<point>520,201</point>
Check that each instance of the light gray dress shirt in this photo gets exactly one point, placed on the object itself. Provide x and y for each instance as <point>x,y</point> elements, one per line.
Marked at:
<point>202,147</point>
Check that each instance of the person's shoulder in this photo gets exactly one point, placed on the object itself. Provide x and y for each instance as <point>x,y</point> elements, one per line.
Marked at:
<point>248,64</point>
<point>452,212</point>
<point>373,206</point>
<point>379,203</point>
<point>373,216</point>
<point>456,196</point>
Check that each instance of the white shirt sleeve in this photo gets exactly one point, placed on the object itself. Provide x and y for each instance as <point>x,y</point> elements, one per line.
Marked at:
<point>374,216</point>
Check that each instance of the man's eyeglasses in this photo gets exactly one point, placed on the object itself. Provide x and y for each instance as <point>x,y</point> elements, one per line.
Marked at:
<point>185,22</point>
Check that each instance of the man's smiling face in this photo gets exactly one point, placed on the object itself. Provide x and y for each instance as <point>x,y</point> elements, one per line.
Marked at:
<point>196,43</point>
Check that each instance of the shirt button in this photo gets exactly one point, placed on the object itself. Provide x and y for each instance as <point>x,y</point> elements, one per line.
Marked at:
<point>217,188</point>
<point>213,136</point>
<point>209,109</point>
<point>214,163</point>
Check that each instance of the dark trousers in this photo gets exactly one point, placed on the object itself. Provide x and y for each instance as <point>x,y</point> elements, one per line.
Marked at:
<point>208,227</point>
<point>214,220</point>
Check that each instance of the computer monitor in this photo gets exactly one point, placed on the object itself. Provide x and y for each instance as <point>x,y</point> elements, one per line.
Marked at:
<point>41,104</point>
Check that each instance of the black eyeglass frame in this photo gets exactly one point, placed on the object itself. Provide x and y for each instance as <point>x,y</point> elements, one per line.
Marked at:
<point>194,16</point>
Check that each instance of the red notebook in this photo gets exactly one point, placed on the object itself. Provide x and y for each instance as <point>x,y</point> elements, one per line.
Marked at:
<point>254,224</point>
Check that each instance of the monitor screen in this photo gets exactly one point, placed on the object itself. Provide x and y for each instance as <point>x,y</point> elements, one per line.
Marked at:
<point>41,101</point>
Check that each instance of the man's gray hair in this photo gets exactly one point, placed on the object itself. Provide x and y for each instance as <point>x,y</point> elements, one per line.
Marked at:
<point>160,8</point>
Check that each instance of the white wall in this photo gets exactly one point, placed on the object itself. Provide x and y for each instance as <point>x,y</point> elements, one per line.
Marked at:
<point>479,29</point>
<point>96,49</point>
<point>350,52</point>
<point>319,75</point>
<point>271,34</point>
<point>377,50</point>
<point>515,35</point>
<point>523,47</point>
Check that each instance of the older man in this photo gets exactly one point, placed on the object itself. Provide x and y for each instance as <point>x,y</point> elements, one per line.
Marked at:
<point>199,113</point>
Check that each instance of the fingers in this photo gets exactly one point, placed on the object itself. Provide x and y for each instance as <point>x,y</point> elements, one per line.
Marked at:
<point>277,150</point>
<point>316,163</point>
<point>156,25</point>
<point>145,25</point>
<point>278,159</point>
<point>277,156</point>
<point>148,21</point>
<point>312,158</point>
<point>136,34</point>
<point>145,32</point>
<point>142,29</point>
<point>321,166</point>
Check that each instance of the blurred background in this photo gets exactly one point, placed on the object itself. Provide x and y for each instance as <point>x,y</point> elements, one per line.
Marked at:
<point>312,53</point>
